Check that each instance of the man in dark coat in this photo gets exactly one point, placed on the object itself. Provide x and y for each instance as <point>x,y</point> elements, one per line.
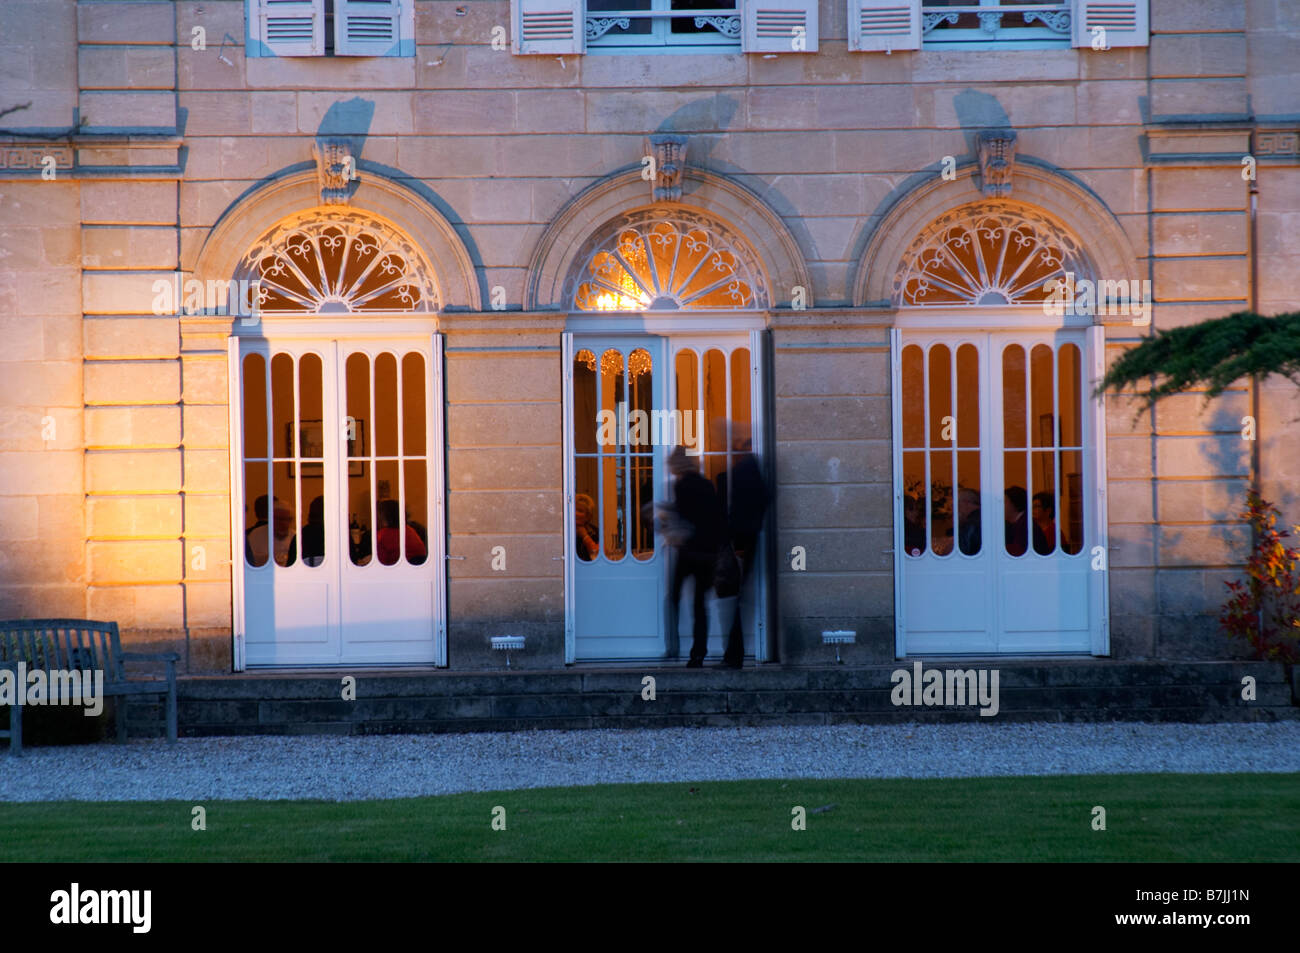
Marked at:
<point>746,505</point>
<point>697,504</point>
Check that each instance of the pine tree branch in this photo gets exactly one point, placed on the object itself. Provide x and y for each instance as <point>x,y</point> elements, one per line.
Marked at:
<point>1212,354</point>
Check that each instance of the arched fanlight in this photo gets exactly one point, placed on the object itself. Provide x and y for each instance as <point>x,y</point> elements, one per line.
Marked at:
<point>649,261</point>
<point>987,254</point>
<point>343,264</point>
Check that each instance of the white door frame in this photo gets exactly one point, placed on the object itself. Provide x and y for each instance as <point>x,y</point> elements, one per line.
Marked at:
<point>1010,319</point>
<point>314,328</point>
<point>673,325</point>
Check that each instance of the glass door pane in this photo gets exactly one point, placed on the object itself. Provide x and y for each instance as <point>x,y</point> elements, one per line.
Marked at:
<point>388,495</point>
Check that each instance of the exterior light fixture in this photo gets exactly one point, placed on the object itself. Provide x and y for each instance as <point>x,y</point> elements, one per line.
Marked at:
<point>838,637</point>
<point>507,644</point>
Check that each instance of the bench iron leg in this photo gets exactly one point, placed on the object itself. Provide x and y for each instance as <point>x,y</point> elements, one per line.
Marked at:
<point>119,714</point>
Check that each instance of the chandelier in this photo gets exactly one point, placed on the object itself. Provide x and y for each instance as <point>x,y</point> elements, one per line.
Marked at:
<point>611,362</point>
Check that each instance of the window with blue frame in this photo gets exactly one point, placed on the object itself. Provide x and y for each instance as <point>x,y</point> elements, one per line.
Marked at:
<point>1009,23</point>
<point>643,25</point>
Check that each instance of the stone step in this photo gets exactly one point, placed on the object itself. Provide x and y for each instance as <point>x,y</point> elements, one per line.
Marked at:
<point>1066,673</point>
<point>930,716</point>
<point>432,701</point>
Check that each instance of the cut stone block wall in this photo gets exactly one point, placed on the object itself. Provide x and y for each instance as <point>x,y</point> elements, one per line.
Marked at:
<point>504,488</point>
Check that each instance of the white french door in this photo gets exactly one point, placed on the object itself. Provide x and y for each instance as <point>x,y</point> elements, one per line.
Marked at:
<point>338,516</point>
<point>999,505</point>
<point>618,572</point>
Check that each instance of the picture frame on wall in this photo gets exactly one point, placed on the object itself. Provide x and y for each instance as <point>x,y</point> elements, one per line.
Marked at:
<point>311,444</point>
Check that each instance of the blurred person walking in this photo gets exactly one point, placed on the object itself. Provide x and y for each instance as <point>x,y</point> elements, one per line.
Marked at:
<point>745,497</point>
<point>696,504</point>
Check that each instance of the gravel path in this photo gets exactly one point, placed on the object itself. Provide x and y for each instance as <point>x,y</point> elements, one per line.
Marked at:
<point>391,766</point>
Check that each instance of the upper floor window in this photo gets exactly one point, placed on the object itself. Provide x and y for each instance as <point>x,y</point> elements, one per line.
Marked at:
<point>331,27</point>
<point>1006,22</point>
<point>559,27</point>
<point>889,25</point>
<point>658,23</point>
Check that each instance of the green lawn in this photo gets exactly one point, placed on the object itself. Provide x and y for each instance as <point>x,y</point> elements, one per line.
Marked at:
<point>1149,817</point>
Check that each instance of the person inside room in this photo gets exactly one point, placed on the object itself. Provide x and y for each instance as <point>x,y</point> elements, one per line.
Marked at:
<point>255,537</point>
<point>286,540</point>
<point>1044,523</point>
<point>586,534</point>
<point>968,515</point>
<point>1014,503</point>
<point>313,533</point>
<point>388,541</point>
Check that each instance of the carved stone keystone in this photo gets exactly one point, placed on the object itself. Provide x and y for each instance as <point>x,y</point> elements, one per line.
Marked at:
<point>997,155</point>
<point>336,168</point>
<point>669,153</point>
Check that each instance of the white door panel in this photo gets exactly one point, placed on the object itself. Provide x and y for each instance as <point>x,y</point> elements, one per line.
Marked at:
<point>295,618</point>
<point>969,589</point>
<point>390,612</point>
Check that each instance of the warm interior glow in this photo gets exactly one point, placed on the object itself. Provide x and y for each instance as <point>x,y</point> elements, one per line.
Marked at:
<point>665,264</point>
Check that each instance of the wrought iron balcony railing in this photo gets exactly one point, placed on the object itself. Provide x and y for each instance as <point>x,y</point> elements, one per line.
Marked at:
<point>725,21</point>
<point>1054,17</point>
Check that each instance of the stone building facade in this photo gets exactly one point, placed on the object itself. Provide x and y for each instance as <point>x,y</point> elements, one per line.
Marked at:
<point>835,178</point>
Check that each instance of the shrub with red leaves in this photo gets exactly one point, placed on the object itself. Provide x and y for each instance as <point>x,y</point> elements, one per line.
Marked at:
<point>1264,610</point>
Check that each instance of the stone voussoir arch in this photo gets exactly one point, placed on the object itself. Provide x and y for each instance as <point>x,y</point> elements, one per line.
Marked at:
<point>709,194</point>
<point>298,194</point>
<point>1038,189</point>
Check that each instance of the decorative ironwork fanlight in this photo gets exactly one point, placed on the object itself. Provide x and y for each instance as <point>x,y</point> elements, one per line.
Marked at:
<point>652,262</point>
<point>986,254</point>
<point>347,263</point>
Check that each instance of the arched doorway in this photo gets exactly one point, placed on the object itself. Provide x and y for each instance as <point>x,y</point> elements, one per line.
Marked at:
<point>1000,532</point>
<point>336,420</point>
<point>664,345</point>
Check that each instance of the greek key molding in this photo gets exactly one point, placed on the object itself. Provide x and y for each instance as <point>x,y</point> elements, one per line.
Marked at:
<point>1277,143</point>
<point>23,158</point>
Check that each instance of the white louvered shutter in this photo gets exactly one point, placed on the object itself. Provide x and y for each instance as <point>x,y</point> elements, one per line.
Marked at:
<point>291,27</point>
<point>553,27</point>
<point>1125,22</point>
<point>779,26</point>
<point>884,25</point>
<point>368,27</point>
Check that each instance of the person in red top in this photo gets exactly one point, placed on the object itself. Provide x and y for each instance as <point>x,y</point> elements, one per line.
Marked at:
<point>388,540</point>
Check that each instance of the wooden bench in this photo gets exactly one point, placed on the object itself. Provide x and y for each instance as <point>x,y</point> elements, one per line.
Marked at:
<point>82,645</point>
